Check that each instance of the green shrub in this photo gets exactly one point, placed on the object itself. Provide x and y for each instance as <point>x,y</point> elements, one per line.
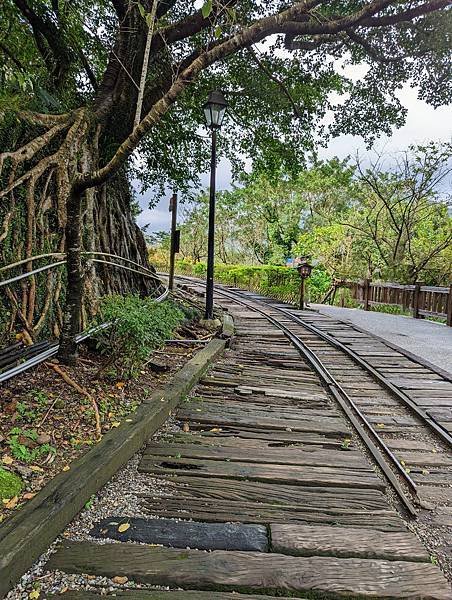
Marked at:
<point>282,283</point>
<point>139,326</point>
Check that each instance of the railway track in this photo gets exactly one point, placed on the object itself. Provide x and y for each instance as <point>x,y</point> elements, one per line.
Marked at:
<point>265,483</point>
<point>406,407</point>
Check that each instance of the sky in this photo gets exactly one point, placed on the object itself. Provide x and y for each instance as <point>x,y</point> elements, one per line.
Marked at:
<point>423,123</point>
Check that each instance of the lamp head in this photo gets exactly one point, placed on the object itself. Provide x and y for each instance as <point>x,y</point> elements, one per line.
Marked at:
<point>304,269</point>
<point>215,109</point>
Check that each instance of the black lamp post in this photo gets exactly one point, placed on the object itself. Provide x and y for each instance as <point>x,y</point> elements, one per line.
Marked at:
<point>214,111</point>
<point>304,270</point>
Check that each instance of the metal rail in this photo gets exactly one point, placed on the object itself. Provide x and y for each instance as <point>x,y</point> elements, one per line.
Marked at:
<point>400,395</point>
<point>358,420</point>
<point>47,353</point>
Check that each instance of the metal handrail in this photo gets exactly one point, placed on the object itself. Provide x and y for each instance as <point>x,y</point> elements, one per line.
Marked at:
<point>24,275</point>
<point>145,271</point>
<point>84,253</point>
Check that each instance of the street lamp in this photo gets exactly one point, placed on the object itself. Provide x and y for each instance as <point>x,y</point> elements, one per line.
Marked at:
<point>214,111</point>
<point>304,270</point>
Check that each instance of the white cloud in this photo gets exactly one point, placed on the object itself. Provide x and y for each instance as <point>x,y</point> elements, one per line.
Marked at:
<point>423,123</point>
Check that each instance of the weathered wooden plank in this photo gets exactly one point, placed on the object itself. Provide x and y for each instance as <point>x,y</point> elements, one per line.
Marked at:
<point>329,427</point>
<point>259,512</point>
<point>426,459</point>
<point>256,409</point>
<point>441,414</point>
<point>407,444</point>
<point>308,540</point>
<point>260,454</point>
<point>185,534</point>
<point>254,571</point>
<point>307,498</point>
<point>160,595</point>
<point>292,474</point>
<point>277,437</point>
<point>439,495</point>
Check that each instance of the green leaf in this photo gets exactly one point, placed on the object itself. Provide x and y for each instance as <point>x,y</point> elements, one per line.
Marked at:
<point>141,9</point>
<point>232,13</point>
<point>206,8</point>
<point>149,20</point>
<point>217,31</point>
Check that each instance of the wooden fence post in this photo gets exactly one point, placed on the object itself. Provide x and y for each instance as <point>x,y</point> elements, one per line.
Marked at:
<point>449,307</point>
<point>416,296</point>
<point>366,294</point>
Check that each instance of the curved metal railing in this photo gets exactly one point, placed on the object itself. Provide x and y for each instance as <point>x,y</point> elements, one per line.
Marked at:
<point>52,349</point>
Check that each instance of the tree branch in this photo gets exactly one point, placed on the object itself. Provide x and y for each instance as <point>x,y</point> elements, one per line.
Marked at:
<point>244,39</point>
<point>278,82</point>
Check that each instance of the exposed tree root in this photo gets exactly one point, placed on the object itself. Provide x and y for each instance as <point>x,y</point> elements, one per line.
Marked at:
<point>81,391</point>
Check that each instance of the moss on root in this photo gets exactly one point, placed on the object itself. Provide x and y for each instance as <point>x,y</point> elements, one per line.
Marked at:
<point>10,484</point>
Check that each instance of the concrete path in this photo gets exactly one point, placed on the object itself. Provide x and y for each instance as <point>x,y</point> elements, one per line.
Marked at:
<point>427,339</point>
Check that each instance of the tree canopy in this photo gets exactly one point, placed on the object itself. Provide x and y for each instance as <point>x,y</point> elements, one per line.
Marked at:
<point>388,220</point>
<point>277,62</point>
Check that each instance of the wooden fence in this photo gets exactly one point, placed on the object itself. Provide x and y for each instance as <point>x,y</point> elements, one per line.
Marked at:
<point>420,300</point>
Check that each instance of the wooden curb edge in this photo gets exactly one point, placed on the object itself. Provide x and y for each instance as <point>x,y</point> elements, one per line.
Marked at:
<point>25,536</point>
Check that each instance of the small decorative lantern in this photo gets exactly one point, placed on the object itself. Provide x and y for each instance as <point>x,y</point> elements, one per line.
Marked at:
<point>304,270</point>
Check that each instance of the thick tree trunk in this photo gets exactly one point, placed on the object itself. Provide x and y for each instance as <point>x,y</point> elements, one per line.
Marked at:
<point>107,225</point>
<point>67,353</point>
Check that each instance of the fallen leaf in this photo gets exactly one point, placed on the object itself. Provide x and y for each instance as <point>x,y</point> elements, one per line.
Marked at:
<point>34,594</point>
<point>64,590</point>
<point>129,420</point>
<point>11,503</point>
<point>120,580</point>
<point>120,385</point>
<point>29,496</point>
<point>123,527</point>
<point>36,469</point>
<point>7,460</point>
<point>186,427</point>
<point>215,429</point>
<point>66,468</point>
<point>380,425</point>
<point>116,423</point>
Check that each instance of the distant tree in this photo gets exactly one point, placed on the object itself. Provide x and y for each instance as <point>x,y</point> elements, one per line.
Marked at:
<point>391,221</point>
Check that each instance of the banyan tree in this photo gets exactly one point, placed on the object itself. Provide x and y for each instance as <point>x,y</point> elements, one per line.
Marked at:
<point>98,95</point>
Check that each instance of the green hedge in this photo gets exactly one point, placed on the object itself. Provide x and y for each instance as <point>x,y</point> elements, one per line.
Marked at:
<point>282,283</point>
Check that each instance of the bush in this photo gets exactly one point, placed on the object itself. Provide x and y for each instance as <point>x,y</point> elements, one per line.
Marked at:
<point>139,326</point>
<point>282,283</point>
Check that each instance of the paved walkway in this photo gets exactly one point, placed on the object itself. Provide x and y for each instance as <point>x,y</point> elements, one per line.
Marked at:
<point>427,339</point>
